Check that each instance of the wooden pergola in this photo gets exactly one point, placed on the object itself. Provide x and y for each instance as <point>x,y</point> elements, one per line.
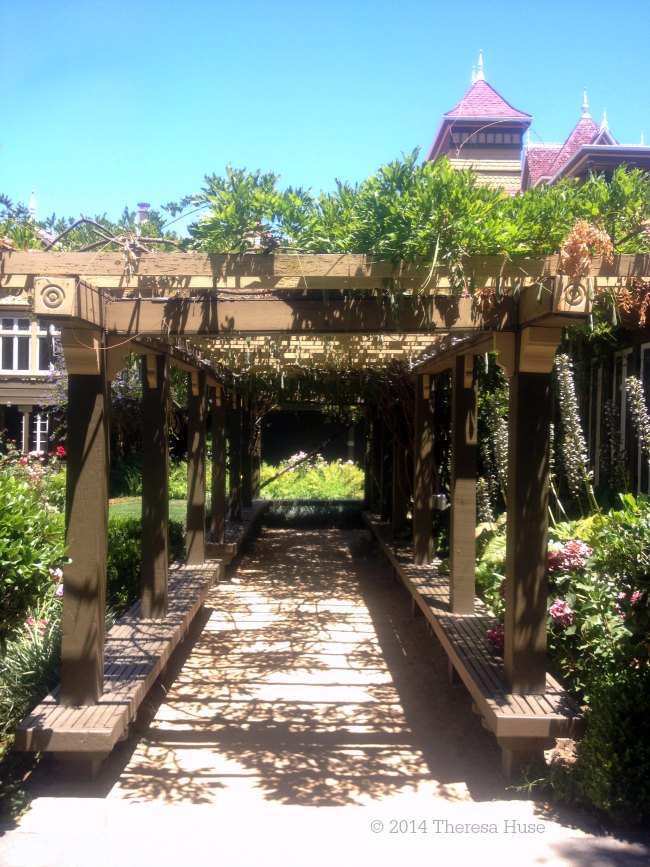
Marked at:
<point>219,317</point>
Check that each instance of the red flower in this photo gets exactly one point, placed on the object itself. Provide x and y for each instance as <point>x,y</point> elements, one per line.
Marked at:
<point>496,636</point>
<point>60,452</point>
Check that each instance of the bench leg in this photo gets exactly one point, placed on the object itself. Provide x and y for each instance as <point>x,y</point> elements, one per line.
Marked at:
<point>520,754</point>
<point>83,767</point>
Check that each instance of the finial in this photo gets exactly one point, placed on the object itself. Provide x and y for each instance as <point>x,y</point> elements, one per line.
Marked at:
<point>473,75</point>
<point>603,124</point>
<point>585,104</point>
<point>480,75</point>
<point>32,205</point>
<point>642,138</point>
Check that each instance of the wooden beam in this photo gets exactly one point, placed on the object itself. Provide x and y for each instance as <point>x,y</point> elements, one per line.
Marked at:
<point>462,543</point>
<point>155,486</point>
<point>423,550</point>
<point>527,531</point>
<point>299,315</point>
<point>218,488</point>
<point>84,600</point>
<point>195,525</point>
<point>176,266</point>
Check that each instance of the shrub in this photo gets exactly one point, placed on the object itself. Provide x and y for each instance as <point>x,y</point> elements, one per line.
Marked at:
<point>124,560</point>
<point>613,768</point>
<point>313,479</point>
<point>31,543</point>
<point>29,667</point>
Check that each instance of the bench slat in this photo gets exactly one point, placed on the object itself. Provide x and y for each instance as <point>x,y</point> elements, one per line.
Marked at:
<point>463,637</point>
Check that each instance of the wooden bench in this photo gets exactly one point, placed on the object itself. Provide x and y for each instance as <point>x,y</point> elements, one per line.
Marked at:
<point>524,725</point>
<point>237,532</point>
<point>135,653</point>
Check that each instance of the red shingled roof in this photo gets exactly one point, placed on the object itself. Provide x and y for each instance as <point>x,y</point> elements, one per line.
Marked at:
<point>540,159</point>
<point>584,133</point>
<point>481,100</point>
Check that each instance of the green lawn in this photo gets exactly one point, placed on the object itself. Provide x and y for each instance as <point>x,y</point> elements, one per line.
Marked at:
<point>131,507</point>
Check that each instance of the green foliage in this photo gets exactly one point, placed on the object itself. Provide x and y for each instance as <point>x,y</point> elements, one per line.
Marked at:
<point>124,559</point>
<point>409,209</point>
<point>16,225</point>
<point>31,543</point>
<point>613,768</point>
<point>490,573</point>
<point>314,479</point>
<point>29,666</point>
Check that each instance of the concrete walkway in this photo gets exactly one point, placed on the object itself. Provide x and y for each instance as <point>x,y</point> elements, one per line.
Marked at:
<point>307,722</point>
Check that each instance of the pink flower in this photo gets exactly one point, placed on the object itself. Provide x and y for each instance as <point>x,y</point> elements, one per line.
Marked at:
<point>60,452</point>
<point>561,613</point>
<point>30,622</point>
<point>56,574</point>
<point>23,462</point>
<point>572,556</point>
<point>59,591</point>
<point>628,602</point>
<point>496,636</point>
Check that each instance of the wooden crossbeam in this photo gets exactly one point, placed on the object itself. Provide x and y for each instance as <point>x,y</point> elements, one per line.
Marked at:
<point>177,266</point>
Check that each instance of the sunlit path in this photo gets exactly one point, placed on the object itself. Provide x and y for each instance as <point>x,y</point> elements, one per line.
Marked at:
<point>311,684</point>
<point>308,720</point>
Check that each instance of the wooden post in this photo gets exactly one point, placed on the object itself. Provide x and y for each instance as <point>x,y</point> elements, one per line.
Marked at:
<point>527,531</point>
<point>399,506</point>
<point>423,552</point>
<point>386,472</point>
<point>234,437</point>
<point>84,600</point>
<point>155,487</point>
<point>256,468</point>
<point>218,488</point>
<point>367,463</point>
<point>195,529</point>
<point>462,542</point>
<point>375,474</point>
<point>246,458</point>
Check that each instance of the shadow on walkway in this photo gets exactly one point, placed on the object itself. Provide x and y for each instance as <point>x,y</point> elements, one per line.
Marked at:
<point>312,684</point>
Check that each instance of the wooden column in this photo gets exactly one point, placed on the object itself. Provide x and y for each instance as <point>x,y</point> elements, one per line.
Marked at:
<point>256,466</point>
<point>155,486</point>
<point>423,552</point>
<point>246,458</point>
<point>375,473</point>
<point>195,529</point>
<point>84,600</point>
<point>218,488</point>
<point>367,463</point>
<point>234,438</point>
<point>399,505</point>
<point>462,542</point>
<point>386,472</point>
<point>527,531</point>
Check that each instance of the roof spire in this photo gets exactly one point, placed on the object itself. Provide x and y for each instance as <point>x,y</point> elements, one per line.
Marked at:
<point>642,138</point>
<point>32,205</point>
<point>603,124</point>
<point>585,104</point>
<point>480,75</point>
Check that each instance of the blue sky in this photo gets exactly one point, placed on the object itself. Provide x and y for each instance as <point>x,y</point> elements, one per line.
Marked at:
<point>106,103</point>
